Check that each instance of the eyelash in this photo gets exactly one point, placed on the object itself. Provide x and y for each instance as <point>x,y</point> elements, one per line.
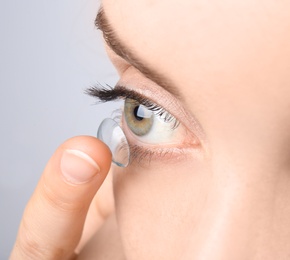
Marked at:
<point>106,94</point>
<point>137,153</point>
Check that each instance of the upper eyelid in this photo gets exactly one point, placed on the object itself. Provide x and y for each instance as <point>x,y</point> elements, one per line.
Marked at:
<point>110,94</point>
<point>123,67</point>
<point>107,93</point>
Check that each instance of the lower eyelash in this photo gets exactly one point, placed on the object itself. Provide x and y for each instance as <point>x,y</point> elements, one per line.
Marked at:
<point>143,156</point>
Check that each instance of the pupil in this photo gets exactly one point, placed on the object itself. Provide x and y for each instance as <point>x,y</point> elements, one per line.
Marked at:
<point>136,114</point>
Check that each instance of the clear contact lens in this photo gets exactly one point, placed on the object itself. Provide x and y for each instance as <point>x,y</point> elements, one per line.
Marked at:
<point>113,136</point>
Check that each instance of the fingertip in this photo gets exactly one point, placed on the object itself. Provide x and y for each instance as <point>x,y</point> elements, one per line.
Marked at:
<point>93,147</point>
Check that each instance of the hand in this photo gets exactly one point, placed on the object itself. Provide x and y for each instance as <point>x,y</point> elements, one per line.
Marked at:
<point>54,217</point>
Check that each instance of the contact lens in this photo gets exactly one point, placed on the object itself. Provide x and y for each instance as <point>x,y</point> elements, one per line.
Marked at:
<point>113,136</point>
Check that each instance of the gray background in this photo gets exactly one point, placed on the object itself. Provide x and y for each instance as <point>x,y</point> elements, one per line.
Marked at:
<point>49,53</point>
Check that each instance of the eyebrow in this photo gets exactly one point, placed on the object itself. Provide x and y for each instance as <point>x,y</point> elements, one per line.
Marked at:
<point>117,46</point>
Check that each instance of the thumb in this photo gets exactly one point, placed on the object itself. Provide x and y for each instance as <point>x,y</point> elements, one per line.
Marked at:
<point>54,217</point>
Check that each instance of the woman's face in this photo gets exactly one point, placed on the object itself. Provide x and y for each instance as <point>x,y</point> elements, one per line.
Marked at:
<point>216,184</point>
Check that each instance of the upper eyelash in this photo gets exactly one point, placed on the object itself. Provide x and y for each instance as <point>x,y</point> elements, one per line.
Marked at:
<point>105,94</point>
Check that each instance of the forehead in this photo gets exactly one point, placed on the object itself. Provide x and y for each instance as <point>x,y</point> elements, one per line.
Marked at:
<point>204,45</point>
<point>166,28</point>
<point>169,30</point>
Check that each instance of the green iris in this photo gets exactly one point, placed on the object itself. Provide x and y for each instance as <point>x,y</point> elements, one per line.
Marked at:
<point>138,118</point>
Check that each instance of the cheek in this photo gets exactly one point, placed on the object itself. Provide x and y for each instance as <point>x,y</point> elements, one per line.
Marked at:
<point>159,204</point>
<point>201,210</point>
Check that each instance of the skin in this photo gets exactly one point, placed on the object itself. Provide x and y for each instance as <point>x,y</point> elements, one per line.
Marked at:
<point>229,197</point>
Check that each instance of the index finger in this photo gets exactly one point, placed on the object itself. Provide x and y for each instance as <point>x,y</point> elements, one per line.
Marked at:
<point>54,217</point>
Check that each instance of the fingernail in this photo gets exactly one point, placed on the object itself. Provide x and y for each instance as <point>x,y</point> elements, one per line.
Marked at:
<point>77,167</point>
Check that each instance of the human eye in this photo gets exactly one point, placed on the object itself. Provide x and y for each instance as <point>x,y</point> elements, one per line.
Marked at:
<point>152,132</point>
<point>149,122</point>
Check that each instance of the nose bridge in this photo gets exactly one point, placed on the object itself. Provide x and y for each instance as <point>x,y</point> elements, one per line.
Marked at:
<point>236,215</point>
